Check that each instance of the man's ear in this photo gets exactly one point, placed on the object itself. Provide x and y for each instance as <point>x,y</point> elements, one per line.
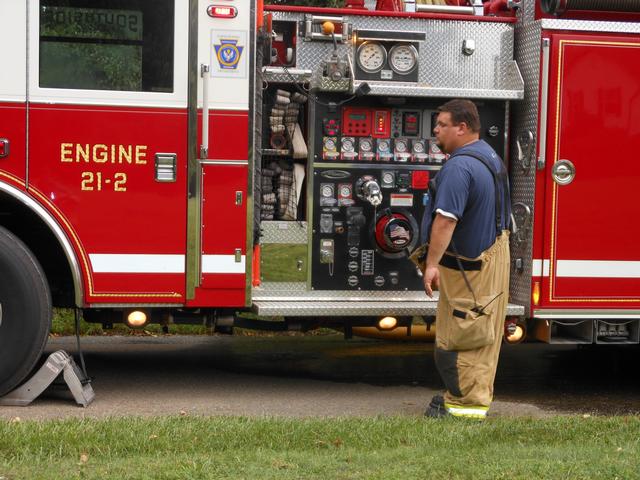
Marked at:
<point>463,128</point>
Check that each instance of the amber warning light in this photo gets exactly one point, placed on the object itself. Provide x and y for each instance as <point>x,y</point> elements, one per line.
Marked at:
<point>222,11</point>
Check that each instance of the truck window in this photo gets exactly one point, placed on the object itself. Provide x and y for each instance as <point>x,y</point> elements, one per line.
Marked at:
<point>122,45</point>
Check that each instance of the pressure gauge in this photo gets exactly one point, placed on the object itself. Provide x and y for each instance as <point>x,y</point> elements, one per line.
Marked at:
<point>418,146</point>
<point>383,145</point>
<point>371,57</point>
<point>347,144</point>
<point>366,145</point>
<point>403,59</point>
<point>326,190</point>
<point>388,180</point>
<point>344,190</point>
<point>401,145</point>
<point>329,144</point>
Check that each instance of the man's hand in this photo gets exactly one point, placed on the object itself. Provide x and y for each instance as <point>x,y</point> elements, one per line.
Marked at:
<point>431,280</point>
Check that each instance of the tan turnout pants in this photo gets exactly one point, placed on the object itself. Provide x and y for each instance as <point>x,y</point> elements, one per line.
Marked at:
<point>468,340</point>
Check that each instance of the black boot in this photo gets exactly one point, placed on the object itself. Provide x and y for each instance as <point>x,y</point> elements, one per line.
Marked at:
<point>436,408</point>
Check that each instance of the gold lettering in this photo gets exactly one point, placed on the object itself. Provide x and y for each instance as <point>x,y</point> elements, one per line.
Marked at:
<point>124,153</point>
<point>82,153</point>
<point>87,181</point>
<point>141,155</point>
<point>100,153</point>
<point>113,154</point>
<point>120,183</point>
<point>65,152</point>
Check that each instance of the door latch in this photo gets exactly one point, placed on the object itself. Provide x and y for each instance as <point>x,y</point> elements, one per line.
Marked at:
<point>4,147</point>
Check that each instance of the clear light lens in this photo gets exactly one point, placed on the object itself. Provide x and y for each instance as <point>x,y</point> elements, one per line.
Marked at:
<point>517,335</point>
<point>137,319</point>
<point>387,323</point>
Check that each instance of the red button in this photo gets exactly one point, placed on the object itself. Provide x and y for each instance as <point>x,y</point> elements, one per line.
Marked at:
<point>420,180</point>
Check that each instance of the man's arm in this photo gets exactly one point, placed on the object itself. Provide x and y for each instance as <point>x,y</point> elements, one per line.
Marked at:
<point>441,233</point>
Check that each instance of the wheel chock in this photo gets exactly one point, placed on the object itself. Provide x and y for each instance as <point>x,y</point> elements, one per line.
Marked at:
<point>58,362</point>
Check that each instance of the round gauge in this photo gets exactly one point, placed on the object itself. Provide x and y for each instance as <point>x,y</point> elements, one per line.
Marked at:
<point>371,57</point>
<point>418,147</point>
<point>383,146</point>
<point>345,191</point>
<point>347,145</point>
<point>327,191</point>
<point>366,144</point>
<point>403,59</point>
<point>387,178</point>
<point>401,146</point>
<point>329,144</point>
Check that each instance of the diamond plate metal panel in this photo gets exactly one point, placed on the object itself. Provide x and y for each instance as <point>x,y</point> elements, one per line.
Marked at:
<point>527,11</point>
<point>590,26</point>
<point>444,70</point>
<point>427,308</point>
<point>289,75</point>
<point>283,232</point>
<point>292,299</point>
<point>525,118</point>
<point>298,291</point>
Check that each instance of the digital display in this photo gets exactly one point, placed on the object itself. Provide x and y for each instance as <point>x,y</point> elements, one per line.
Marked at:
<point>357,116</point>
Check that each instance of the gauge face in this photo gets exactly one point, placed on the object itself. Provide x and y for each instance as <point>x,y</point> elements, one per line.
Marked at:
<point>418,147</point>
<point>347,145</point>
<point>329,144</point>
<point>345,191</point>
<point>383,146</point>
<point>366,145</point>
<point>403,59</point>
<point>387,178</point>
<point>371,57</point>
<point>327,191</point>
<point>401,146</point>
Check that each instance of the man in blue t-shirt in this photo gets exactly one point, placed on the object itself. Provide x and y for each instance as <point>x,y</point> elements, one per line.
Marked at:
<point>468,261</point>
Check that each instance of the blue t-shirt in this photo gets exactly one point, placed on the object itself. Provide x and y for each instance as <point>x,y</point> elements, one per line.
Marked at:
<point>465,188</point>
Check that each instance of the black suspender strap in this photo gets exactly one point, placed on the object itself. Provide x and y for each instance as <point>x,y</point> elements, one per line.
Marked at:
<point>501,210</point>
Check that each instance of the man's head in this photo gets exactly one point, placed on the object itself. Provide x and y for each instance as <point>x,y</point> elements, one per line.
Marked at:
<point>458,123</point>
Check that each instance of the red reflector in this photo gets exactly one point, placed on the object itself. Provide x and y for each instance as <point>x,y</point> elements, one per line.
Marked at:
<point>420,180</point>
<point>219,11</point>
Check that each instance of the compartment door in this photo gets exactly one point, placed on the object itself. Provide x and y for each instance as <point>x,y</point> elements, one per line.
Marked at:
<point>13,93</point>
<point>592,172</point>
<point>108,140</point>
<point>218,226</point>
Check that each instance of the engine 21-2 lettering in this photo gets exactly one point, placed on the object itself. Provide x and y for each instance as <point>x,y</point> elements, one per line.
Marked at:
<point>96,181</point>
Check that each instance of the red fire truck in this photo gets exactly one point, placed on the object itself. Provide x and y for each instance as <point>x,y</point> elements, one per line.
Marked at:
<point>190,160</point>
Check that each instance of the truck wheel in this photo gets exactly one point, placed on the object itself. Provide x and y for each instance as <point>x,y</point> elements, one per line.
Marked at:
<point>25,311</point>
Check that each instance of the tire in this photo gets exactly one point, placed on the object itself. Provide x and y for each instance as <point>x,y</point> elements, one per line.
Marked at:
<point>25,320</point>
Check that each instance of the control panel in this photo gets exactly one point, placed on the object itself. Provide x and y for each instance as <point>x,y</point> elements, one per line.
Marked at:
<point>365,221</point>
<point>372,164</point>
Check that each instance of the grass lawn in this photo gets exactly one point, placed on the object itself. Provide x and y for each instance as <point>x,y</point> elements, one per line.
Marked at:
<point>345,448</point>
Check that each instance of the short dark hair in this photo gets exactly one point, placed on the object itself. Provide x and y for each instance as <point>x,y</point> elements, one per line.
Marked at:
<point>462,111</point>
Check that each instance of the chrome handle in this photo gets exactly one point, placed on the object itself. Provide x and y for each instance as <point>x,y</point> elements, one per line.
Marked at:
<point>204,148</point>
<point>526,145</point>
<point>238,255</point>
<point>544,100</point>
<point>563,172</point>
<point>238,198</point>
<point>4,147</point>
<point>165,167</point>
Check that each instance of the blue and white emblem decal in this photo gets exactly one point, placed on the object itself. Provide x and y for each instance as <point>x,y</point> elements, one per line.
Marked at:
<point>228,53</point>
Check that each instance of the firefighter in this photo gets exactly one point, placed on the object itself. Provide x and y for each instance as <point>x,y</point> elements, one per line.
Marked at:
<point>467,259</point>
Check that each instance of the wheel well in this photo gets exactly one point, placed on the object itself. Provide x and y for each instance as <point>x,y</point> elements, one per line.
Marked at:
<point>34,232</point>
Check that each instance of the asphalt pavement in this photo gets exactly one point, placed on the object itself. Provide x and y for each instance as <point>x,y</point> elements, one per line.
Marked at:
<point>325,375</point>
